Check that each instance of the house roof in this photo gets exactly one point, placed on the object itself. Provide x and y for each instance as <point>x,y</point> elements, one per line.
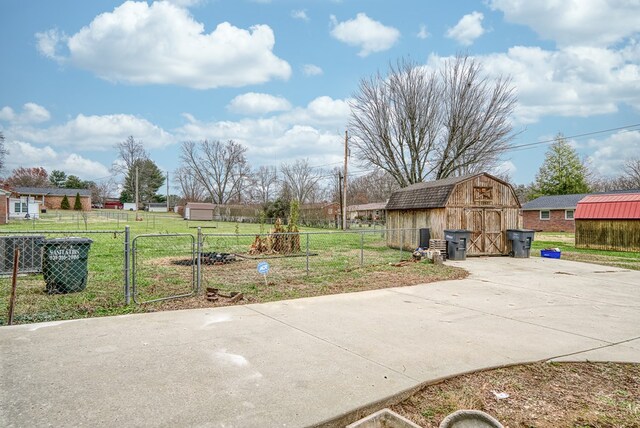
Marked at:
<point>50,191</point>
<point>200,206</point>
<point>611,206</point>
<point>554,202</point>
<point>367,207</point>
<point>563,202</point>
<point>431,194</point>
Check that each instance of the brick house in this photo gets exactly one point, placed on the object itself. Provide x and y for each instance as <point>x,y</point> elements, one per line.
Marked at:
<point>50,197</point>
<point>551,213</point>
<point>4,206</point>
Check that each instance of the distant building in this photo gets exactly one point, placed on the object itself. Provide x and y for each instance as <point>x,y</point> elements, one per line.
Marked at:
<point>33,200</point>
<point>368,212</point>
<point>4,206</point>
<point>199,211</point>
<point>551,213</point>
<point>156,207</point>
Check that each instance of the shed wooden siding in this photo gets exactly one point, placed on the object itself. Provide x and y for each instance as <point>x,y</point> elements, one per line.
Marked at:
<point>615,235</point>
<point>487,216</point>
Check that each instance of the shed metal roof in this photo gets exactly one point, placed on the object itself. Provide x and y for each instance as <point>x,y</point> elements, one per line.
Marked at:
<point>609,207</point>
<point>431,194</point>
<point>200,206</point>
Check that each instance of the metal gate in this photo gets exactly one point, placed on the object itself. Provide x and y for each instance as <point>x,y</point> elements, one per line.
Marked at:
<point>163,267</point>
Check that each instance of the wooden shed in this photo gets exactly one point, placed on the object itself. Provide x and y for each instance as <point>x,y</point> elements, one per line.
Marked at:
<point>609,222</point>
<point>199,211</point>
<point>480,203</point>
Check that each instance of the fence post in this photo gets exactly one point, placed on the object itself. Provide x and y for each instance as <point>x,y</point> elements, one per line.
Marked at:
<point>307,253</point>
<point>199,260</point>
<point>127,267</point>
<point>361,248</point>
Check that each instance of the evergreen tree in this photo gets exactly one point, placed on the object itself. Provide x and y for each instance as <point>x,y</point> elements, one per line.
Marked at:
<point>150,179</point>
<point>77,204</point>
<point>562,173</point>
<point>57,178</point>
<point>64,205</point>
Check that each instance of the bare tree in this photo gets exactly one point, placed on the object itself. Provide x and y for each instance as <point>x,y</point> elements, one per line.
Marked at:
<point>302,181</point>
<point>129,152</point>
<point>376,186</point>
<point>101,190</point>
<point>263,184</point>
<point>221,168</point>
<point>3,151</point>
<point>190,188</point>
<point>417,124</point>
<point>632,173</point>
<point>28,177</point>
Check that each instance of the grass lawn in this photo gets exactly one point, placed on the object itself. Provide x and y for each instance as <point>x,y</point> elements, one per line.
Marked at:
<point>565,242</point>
<point>338,263</point>
<point>545,395</point>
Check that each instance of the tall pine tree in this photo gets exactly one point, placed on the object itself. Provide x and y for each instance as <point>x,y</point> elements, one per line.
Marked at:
<point>77,204</point>
<point>562,173</point>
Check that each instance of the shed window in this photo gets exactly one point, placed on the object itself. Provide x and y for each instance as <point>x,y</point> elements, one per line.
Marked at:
<point>545,215</point>
<point>568,214</point>
<point>482,194</point>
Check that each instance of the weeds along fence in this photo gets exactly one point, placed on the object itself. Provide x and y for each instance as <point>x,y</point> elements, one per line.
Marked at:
<point>87,221</point>
<point>124,268</point>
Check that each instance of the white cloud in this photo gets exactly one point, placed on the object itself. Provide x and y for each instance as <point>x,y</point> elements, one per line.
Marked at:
<point>254,103</point>
<point>310,132</point>
<point>363,32</point>
<point>569,82</point>
<point>31,113</point>
<point>49,41</point>
<point>575,22</point>
<point>423,33</point>
<point>161,43</point>
<point>299,14</point>
<point>94,133</point>
<point>311,70</point>
<point>610,154</point>
<point>27,155</point>
<point>468,29</point>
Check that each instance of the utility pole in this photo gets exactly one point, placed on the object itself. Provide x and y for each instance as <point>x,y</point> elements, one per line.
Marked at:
<point>167,191</point>
<point>136,192</point>
<point>340,196</point>
<point>344,186</point>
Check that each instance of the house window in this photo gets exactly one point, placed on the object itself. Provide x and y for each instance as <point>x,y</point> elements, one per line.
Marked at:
<point>568,214</point>
<point>545,215</point>
<point>482,194</point>
<point>20,207</point>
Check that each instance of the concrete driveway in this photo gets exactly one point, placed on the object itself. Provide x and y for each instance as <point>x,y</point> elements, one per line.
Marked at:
<point>308,361</point>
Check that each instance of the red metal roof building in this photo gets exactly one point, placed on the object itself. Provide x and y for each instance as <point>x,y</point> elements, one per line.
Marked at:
<point>609,222</point>
<point>619,206</point>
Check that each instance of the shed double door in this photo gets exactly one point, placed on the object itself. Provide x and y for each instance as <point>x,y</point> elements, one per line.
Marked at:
<point>486,228</point>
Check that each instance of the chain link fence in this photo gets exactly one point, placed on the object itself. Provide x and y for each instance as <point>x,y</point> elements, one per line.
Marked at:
<point>64,275</point>
<point>55,265</point>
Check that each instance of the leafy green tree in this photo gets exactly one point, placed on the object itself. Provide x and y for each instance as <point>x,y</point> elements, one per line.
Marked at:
<point>562,173</point>
<point>64,205</point>
<point>74,182</point>
<point>77,204</point>
<point>150,179</point>
<point>57,178</point>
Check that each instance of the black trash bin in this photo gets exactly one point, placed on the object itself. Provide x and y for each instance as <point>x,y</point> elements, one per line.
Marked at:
<point>520,242</point>
<point>457,243</point>
<point>64,264</point>
<point>425,236</point>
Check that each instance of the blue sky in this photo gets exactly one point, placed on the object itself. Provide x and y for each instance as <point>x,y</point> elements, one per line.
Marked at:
<point>80,76</point>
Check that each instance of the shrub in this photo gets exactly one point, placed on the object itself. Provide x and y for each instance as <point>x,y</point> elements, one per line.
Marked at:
<point>64,205</point>
<point>77,204</point>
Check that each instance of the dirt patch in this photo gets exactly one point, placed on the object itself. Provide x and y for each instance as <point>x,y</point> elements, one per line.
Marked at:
<point>539,395</point>
<point>289,282</point>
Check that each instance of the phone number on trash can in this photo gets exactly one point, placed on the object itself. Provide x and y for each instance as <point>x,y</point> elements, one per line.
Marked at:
<point>64,254</point>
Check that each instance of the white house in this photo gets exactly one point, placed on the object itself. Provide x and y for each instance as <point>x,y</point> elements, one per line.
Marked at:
<point>23,207</point>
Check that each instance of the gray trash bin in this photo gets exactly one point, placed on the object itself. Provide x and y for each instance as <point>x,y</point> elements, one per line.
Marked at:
<point>457,243</point>
<point>521,240</point>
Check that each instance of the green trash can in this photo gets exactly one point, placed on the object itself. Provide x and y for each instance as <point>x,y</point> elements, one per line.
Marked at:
<point>64,264</point>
